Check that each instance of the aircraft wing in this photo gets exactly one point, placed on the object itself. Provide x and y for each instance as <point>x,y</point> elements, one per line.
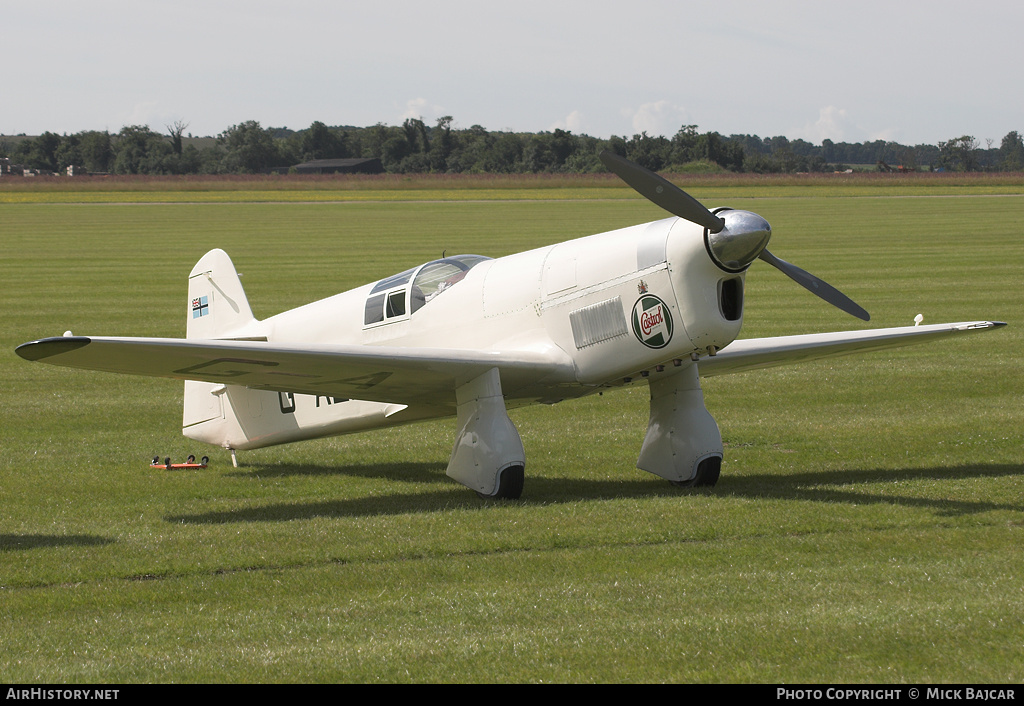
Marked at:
<point>376,373</point>
<point>422,375</point>
<point>755,353</point>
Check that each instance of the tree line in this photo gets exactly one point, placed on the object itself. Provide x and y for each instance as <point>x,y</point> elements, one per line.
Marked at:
<point>415,147</point>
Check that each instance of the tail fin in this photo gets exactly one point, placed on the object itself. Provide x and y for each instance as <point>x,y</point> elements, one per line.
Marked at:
<point>217,308</point>
<point>217,304</point>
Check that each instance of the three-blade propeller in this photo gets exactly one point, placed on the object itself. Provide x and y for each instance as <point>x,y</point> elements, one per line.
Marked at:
<point>670,197</point>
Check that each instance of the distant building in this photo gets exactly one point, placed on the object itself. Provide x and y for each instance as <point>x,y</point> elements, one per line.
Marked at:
<point>340,166</point>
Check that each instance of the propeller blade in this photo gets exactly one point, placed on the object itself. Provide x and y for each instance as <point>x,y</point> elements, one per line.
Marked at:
<point>670,197</point>
<point>662,192</point>
<point>817,286</point>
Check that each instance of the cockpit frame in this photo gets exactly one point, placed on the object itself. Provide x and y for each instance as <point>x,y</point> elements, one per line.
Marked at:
<point>398,297</point>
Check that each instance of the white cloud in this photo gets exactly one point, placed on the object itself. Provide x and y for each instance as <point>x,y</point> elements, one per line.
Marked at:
<point>888,134</point>
<point>836,124</point>
<point>658,118</point>
<point>422,108</point>
<point>833,124</point>
<point>573,122</point>
<point>147,113</point>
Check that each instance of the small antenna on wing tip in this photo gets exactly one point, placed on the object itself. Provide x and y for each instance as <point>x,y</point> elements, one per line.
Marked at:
<point>918,319</point>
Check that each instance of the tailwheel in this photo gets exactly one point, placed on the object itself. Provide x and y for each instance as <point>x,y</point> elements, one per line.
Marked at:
<point>206,460</point>
<point>191,458</point>
<point>510,484</point>
<point>708,471</point>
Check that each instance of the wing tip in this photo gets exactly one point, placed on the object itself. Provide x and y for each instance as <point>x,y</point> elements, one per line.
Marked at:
<point>48,347</point>
<point>983,325</point>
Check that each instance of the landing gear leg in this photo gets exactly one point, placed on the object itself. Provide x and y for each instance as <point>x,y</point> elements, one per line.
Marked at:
<point>683,443</point>
<point>488,454</point>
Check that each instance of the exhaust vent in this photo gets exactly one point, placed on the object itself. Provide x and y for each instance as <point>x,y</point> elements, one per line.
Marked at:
<point>598,322</point>
<point>730,298</point>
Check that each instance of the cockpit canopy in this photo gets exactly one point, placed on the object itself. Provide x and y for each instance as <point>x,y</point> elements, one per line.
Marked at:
<point>400,296</point>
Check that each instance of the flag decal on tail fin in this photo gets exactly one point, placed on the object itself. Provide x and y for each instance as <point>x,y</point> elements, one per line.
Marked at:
<point>200,307</point>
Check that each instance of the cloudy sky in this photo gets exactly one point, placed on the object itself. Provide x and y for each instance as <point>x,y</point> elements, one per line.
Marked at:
<point>903,70</point>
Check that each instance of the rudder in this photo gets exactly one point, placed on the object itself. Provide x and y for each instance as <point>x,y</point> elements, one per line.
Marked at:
<point>217,305</point>
<point>217,309</point>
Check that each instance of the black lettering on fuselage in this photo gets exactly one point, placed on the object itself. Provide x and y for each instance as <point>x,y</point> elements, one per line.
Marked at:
<point>287,402</point>
<point>330,400</point>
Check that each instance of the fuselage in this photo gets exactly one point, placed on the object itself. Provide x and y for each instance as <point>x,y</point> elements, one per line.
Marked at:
<point>608,307</point>
<point>615,303</point>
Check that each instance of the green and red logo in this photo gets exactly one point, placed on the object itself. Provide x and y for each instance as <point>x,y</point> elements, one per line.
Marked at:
<point>652,322</point>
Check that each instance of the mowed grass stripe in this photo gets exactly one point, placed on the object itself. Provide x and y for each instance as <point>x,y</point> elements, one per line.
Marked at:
<point>866,527</point>
<point>625,614</point>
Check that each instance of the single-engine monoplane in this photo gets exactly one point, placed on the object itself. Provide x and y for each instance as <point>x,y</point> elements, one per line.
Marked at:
<point>469,337</point>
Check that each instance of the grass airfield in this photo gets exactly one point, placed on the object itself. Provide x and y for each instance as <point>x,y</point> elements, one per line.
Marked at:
<point>867,526</point>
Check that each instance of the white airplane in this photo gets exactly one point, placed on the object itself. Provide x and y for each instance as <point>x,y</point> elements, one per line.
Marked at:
<point>470,337</point>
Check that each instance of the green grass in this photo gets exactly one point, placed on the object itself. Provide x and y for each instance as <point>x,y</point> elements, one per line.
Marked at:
<point>867,526</point>
<point>484,187</point>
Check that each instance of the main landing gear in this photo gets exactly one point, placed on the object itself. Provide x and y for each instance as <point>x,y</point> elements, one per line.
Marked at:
<point>683,444</point>
<point>488,455</point>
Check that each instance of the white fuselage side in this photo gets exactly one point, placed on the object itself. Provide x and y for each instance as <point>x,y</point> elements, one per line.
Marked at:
<point>616,304</point>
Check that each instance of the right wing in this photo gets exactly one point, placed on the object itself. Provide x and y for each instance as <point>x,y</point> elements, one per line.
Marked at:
<point>755,353</point>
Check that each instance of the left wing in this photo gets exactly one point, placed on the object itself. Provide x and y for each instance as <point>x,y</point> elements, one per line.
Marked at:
<point>375,373</point>
<point>754,353</point>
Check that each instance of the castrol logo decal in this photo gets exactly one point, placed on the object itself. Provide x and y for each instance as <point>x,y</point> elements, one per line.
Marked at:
<point>652,322</point>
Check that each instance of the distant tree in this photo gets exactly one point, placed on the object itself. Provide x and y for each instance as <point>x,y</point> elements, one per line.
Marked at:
<point>585,158</point>
<point>505,154</point>
<point>209,160</point>
<point>828,150</point>
<point>415,147</point>
<point>42,152</point>
<point>650,152</point>
<point>442,143</point>
<point>139,150</point>
<point>560,146</point>
<point>759,163</point>
<point>959,155</point>
<point>175,130</point>
<point>712,147</point>
<point>96,150</point>
<point>1011,153</point>
<point>472,152</point>
<point>69,152</point>
<point>615,145</point>
<point>249,148</point>
<point>394,150</point>
<point>684,145</point>
<point>416,134</point>
<point>321,142</point>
